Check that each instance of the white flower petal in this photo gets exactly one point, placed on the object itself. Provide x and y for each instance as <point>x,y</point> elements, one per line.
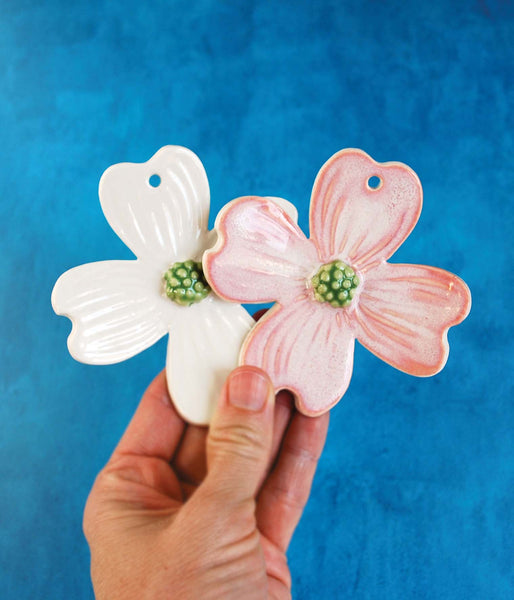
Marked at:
<point>115,307</point>
<point>203,348</point>
<point>166,223</point>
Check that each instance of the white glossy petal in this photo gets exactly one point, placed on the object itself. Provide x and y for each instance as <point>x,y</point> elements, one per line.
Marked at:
<point>203,348</point>
<point>115,307</point>
<point>166,223</point>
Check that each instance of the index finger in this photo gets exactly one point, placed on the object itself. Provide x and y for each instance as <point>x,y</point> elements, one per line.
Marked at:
<point>156,427</point>
<point>285,493</point>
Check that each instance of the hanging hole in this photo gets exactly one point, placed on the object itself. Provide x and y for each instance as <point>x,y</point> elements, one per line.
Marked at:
<point>374,182</point>
<point>155,180</point>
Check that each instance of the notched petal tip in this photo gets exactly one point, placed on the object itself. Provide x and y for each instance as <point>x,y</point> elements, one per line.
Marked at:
<point>261,254</point>
<point>405,312</point>
<point>165,155</point>
<point>115,310</point>
<point>306,349</point>
<point>359,221</point>
<point>288,207</point>
<point>159,208</point>
<point>58,302</point>
<point>55,298</point>
<point>303,407</point>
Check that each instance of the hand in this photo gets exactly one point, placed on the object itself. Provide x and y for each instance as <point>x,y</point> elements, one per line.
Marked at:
<point>183,512</point>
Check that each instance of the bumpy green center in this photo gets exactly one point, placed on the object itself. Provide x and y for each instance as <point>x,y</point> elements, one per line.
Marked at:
<point>335,283</point>
<point>185,283</point>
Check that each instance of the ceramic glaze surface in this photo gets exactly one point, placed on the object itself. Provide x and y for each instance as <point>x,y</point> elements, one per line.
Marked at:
<point>160,210</point>
<point>361,211</point>
<point>185,284</point>
<point>335,283</point>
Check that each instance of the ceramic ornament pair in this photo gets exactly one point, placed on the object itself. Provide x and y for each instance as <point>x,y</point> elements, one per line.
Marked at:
<point>329,289</point>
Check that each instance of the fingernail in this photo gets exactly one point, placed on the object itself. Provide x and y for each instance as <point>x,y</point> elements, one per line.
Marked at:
<point>248,389</point>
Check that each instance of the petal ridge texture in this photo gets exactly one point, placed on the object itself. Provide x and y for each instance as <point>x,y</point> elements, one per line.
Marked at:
<point>361,211</point>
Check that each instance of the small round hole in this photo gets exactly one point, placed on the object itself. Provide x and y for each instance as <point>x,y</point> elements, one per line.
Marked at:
<point>374,182</point>
<point>155,180</point>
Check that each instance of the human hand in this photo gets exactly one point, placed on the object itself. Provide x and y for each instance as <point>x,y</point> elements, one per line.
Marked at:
<point>183,512</point>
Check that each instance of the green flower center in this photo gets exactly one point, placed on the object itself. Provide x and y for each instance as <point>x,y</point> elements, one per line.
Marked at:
<point>185,283</point>
<point>335,283</point>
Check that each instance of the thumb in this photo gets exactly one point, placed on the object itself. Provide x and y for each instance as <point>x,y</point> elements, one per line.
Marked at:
<point>239,440</point>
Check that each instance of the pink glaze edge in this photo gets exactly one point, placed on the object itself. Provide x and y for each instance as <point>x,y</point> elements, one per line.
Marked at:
<point>294,390</point>
<point>356,151</point>
<point>215,252</point>
<point>444,344</point>
<point>210,255</point>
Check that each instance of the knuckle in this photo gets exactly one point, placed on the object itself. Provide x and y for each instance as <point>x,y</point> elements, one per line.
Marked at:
<point>109,488</point>
<point>304,456</point>
<point>238,439</point>
<point>291,499</point>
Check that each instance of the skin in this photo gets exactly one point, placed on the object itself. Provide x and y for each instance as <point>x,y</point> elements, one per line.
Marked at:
<point>182,511</point>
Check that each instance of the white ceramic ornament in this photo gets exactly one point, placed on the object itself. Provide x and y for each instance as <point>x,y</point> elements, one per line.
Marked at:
<point>160,210</point>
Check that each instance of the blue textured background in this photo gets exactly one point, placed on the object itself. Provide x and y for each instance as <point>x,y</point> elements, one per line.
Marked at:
<point>414,497</point>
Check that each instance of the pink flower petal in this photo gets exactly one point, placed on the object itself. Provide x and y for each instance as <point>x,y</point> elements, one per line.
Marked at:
<point>261,254</point>
<point>355,222</point>
<point>404,312</point>
<point>306,348</point>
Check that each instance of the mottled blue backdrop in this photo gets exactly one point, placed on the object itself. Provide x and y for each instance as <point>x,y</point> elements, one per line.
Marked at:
<point>414,497</point>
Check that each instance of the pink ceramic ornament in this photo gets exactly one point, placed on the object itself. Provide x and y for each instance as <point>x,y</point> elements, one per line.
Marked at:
<point>336,286</point>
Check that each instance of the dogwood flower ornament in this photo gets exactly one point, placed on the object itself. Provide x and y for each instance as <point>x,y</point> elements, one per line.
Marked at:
<point>160,210</point>
<point>336,286</point>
